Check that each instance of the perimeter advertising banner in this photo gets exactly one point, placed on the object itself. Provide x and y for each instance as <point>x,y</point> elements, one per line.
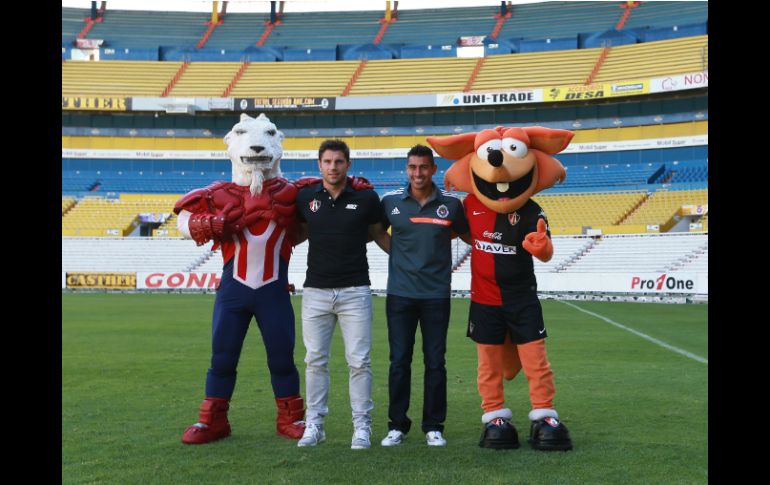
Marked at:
<point>102,281</point>
<point>692,80</point>
<point>100,103</point>
<point>177,281</point>
<point>518,96</point>
<point>621,283</point>
<point>288,102</point>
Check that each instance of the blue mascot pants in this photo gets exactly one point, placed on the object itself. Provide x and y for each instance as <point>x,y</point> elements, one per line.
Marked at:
<point>234,307</point>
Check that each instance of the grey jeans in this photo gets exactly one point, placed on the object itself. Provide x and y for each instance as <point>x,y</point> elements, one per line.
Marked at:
<point>321,309</point>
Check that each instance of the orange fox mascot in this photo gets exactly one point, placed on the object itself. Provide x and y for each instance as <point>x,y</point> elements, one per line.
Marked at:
<point>501,169</point>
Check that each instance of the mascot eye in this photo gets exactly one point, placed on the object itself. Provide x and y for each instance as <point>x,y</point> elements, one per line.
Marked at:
<point>483,150</point>
<point>514,147</point>
<point>270,132</point>
<point>240,132</point>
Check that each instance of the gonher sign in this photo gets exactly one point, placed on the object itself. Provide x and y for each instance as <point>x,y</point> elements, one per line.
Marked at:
<point>178,281</point>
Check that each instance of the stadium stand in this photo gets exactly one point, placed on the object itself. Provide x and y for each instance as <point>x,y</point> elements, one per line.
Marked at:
<point>535,69</point>
<point>642,253</point>
<point>539,26</point>
<point>205,79</point>
<point>67,203</point>
<point>294,79</point>
<point>237,31</point>
<point>654,59</point>
<point>570,213</point>
<point>440,26</point>
<point>97,216</point>
<point>324,29</point>
<point>413,76</point>
<point>380,77</point>
<point>131,254</point>
<point>136,29</point>
<point>573,254</point>
<point>117,78</point>
<point>662,205</point>
<point>72,23</point>
<point>698,261</point>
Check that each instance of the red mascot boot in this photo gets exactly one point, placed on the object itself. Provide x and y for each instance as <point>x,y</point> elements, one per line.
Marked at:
<point>288,422</point>
<point>212,423</point>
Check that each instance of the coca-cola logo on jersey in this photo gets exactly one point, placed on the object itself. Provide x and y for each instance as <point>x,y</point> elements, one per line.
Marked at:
<point>493,235</point>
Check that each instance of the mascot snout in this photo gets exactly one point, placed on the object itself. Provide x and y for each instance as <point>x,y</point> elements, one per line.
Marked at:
<point>255,148</point>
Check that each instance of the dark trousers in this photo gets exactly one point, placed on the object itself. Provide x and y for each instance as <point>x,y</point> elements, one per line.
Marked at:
<point>235,305</point>
<point>403,315</point>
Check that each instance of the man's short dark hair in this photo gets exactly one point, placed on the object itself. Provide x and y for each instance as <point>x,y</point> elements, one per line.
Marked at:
<point>334,145</point>
<point>421,151</point>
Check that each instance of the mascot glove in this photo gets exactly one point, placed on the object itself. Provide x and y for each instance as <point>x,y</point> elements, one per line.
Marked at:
<point>360,183</point>
<point>305,181</point>
<point>538,244</point>
<point>205,227</point>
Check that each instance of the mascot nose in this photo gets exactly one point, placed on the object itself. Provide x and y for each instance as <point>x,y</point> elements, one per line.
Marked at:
<point>257,148</point>
<point>495,158</point>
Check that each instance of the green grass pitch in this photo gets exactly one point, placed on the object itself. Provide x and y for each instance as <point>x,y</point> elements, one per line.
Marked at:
<point>134,365</point>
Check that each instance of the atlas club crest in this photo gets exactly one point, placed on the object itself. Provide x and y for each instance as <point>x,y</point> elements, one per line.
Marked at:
<point>315,204</point>
<point>513,218</point>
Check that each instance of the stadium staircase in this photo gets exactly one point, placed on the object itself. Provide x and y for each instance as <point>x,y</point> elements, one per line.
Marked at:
<point>67,203</point>
<point>269,26</point>
<point>562,265</point>
<point>388,18</point>
<point>174,79</point>
<point>627,8</point>
<point>236,77</point>
<point>692,260</point>
<point>354,77</point>
<point>461,252</point>
<point>206,79</point>
<point>217,19</point>
<point>627,214</point>
<point>636,253</point>
<point>662,205</point>
<point>117,78</point>
<point>294,78</point>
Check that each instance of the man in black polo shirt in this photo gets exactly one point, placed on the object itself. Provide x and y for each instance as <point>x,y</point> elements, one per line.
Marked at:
<point>419,279</point>
<point>338,222</point>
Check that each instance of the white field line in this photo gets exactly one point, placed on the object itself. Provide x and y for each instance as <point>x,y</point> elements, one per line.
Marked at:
<point>644,336</point>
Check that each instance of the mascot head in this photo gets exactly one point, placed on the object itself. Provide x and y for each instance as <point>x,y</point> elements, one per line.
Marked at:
<point>255,150</point>
<point>503,167</point>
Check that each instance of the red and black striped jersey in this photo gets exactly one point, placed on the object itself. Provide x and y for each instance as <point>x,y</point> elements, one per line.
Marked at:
<point>500,266</point>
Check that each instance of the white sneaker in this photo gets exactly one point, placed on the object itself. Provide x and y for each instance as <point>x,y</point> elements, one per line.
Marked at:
<point>361,437</point>
<point>434,438</point>
<point>314,434</point>
<point>395,437</point>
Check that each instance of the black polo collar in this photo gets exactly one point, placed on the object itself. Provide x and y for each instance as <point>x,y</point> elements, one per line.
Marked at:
<point>436,195</point>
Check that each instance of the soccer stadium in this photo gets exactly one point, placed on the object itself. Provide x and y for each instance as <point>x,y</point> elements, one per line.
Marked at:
<point>148,96</point>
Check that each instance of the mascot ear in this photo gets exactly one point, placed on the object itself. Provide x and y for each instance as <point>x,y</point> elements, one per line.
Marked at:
<point>458,176</point>
<point>453,147</point>
<point>244,116</point>
<point>548,140</point>
<point>549,171</point>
